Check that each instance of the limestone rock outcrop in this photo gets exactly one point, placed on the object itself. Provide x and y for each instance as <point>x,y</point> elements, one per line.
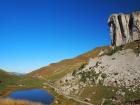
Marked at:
<point>124,28</point>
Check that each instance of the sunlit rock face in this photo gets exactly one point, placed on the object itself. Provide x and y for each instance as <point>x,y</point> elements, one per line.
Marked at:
<point>124,28</point>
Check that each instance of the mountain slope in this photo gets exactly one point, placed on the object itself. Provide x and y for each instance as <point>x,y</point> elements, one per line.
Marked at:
<point>3,73</point>
<point>99,75</point>
<point>58,70</point>
<point>6,79</point>
<point>114,73</point>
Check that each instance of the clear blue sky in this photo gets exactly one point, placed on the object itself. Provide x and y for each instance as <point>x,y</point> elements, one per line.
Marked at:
<point>35,33</point>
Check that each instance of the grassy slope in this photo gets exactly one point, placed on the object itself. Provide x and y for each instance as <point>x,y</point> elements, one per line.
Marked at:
<point>57,70</point>
<point>11,83</point>
<point>99,91</point>
<point>6,79</point>
<point>106,92</point>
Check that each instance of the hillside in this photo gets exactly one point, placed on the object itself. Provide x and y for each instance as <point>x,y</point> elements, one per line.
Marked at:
<point>3,73</point>
<point>10,82</point>
<point>6,79</point>
<point>113,73</point>
<point>102,73</point>
<point>56,71</point>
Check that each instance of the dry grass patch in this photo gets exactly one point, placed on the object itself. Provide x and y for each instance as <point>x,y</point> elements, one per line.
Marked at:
<point>17,102</point>
<point>58,70</point>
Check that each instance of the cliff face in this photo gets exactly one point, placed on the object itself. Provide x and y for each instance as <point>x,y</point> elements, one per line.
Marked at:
<point>124,28</point>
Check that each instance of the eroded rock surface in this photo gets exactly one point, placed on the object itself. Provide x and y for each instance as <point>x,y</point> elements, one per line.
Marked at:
<point>124,28</point>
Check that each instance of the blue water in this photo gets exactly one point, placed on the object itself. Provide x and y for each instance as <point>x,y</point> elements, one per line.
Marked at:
<point>35,95</point>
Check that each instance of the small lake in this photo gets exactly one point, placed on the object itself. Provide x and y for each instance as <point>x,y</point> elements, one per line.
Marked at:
<point>35,95</point>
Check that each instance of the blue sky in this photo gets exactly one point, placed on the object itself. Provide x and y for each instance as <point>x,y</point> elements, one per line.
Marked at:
<point>35,33</point>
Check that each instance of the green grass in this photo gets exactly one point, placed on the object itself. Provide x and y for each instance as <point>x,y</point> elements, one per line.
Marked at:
<point>135,46</point>
<point>105,92</point>
<point>100,93</point>
<point>111,51</point>
<point>6,79</point>
<point>58,70</point>
<point>130,95</point>
<point>110,102</point>
<point>11,83</point>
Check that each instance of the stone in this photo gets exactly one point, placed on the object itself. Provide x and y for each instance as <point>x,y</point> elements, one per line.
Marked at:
<point>87,99</point>
<point>124,28</point>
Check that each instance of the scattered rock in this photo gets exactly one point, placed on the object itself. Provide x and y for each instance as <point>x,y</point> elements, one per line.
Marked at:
<point>87,99</point>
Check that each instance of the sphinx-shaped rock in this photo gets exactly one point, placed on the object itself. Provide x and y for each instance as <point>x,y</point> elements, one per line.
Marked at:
<point>124,28</point>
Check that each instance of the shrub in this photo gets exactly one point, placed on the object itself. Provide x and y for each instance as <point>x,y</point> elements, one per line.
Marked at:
<point>113,58</point>
<point>74,72</point>
<point>91,75</point>
<point>116,73</point>
<point>111,51</point>
<point>137,51</point>
<point>103,75</point>
<point>109,102</point>
<point>82,66</point>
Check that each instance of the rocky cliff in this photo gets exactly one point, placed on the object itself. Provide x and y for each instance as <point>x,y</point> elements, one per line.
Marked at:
<point>124,28</point>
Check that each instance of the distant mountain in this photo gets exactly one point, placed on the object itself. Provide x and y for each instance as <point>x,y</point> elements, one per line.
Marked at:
<point>3,73</point>
<point>16,74</point>
<point>6,79</point>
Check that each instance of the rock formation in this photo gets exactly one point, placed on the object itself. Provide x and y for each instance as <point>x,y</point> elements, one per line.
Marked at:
<point>124,28</point>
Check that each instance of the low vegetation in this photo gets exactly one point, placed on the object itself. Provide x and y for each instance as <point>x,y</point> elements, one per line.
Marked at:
<point>89,75</point>
<point>17,102</point>
<point>133,45</point>
<point>11,83</point>
<point>111,51</point>
<point>58,70</point>
<point>98,92</point>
